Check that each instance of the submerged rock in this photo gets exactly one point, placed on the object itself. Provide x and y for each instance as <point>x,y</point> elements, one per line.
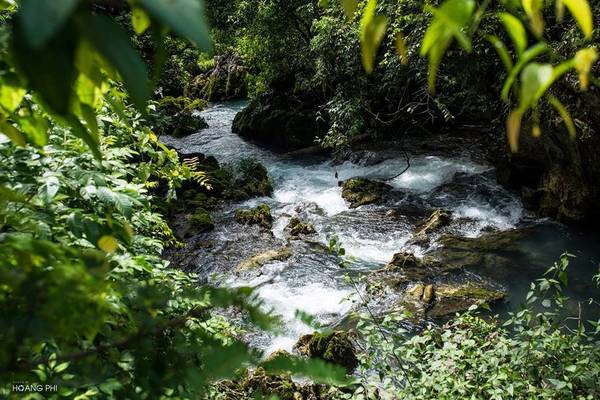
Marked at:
<point>436,221</point>
<point>260,215</point>
<point>260,259</point>
<point>361,191</point>
<point>335,347</point>
<point>298,227</point>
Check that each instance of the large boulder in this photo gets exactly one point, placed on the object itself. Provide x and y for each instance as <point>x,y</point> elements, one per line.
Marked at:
<point>199,222</point>
<point>226,80</point>
<point>177,116</point>
<point>361,191</point>
<point>281,121</point>
<point>335,347</point>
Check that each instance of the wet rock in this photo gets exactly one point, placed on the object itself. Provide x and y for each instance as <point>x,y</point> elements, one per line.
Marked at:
<point>436,221</point>
<point>457,251</point>
<point>260,259</point>
<point>297,227</point>
<point>281,121</point>
<point>361,191</point>
<point>248,179</point>
<point>176,116</point>
<point>335,347</point>
<point>260,215</point>
<point>225,81</point>
<point>260,383</point>
<point>199,222</point>
<point>453,298</point>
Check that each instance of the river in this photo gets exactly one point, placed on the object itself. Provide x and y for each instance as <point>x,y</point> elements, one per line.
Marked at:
<point>312,281</point>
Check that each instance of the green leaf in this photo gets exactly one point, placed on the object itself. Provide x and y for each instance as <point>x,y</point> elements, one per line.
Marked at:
<point>564,113</point>
<point>315,369</point>
<point>140,20</point>
<point>581,10</point>
<point>513,129</point>
<point>516,31</point>
<point>372,31</point>
<point>527,56</point>
<point>41,19</point>
<point>13,134</point>
<point>535,80</point>
<point>185,17</point>
<point>501,50</point>
<point>49,70</point>
<point>349,7</point>
<point>114,45</point>
<point>11,92</point>
<point>88,137</point>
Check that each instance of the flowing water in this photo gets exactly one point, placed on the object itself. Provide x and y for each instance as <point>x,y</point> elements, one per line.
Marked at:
<point>311,279</point>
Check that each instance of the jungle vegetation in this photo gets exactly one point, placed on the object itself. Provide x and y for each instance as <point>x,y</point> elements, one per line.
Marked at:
<point>87,300</point>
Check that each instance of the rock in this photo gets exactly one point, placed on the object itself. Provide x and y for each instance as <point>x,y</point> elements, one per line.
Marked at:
<point>260,259</point>
<point>249,179</point>
<point>361,191</point>
<point>199,222</point>
<point>282,121</point>
<point>298,227</point>
<point>225,81</point>
<point>437,220</point>
<point>428,294</point>
<point>450,299</point>
<point>260,215</point>
<point>335,347</point>
<point>176,116</point>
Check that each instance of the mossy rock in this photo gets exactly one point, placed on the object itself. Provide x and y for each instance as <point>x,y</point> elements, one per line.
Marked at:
<point>335,348</point>
<point>362,191</point>
<point>298,227</point>
<point>436,221</point>
<point>260,259</point>
<point>453,298</point>
<point>176,116</point>
<point>249,179</point>
<point>260,215</point>
<point>199,222</point>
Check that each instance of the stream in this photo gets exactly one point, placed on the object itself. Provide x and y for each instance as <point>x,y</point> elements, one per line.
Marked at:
<point>311,279</point>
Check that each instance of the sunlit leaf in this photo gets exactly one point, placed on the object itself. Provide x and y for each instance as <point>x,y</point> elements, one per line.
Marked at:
<point>527,56</point>
<point>41,19</point>
<point>533,9</point>
<point>536,131</point>
<point>11,92</point>
<point>108,244</point>
<point>513,129</point>
<point>584,60</point>
<point>114,45</point>
<point>516,31</point>
<point>372,31</point>
<point>565,115</point>
<point>140,20</point>
<point>13,134</point>
<point>580,9</point>
<point>89,137</point>
<point>349,7</point>
<point>185,17</point>
<point>535,80</point>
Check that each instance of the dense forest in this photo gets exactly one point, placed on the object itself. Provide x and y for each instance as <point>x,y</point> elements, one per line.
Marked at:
<point>301,199</point>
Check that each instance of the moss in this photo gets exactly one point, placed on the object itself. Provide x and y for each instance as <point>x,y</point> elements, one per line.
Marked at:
<point>362,191</point>
<point>250,179</point>
<point>334,347</point>
<point>199,222</point>
<point>176,116</point>
<point>298,227</point>
<point>260,215</point>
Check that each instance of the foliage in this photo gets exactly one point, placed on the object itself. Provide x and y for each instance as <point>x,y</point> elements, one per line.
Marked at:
<point>536,353</point>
